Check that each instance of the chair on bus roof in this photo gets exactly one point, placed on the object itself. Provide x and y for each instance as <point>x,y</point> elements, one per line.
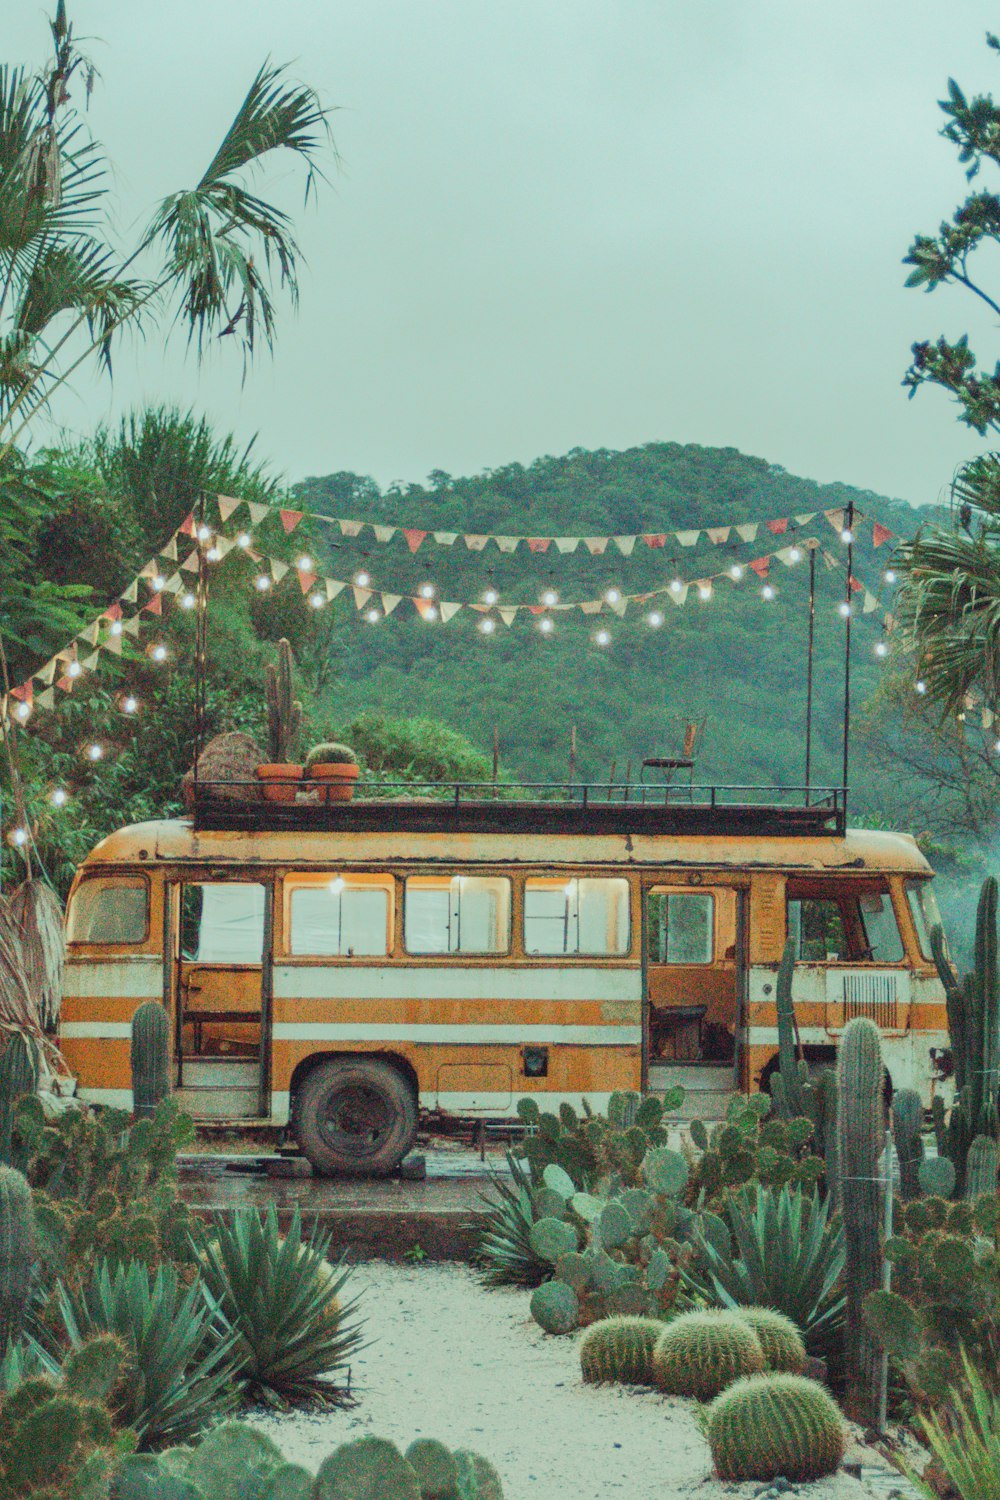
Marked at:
<point>677,771</point>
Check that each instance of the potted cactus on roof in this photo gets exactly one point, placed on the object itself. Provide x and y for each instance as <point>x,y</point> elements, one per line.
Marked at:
<point>281,774</point>
<point>335,768</point>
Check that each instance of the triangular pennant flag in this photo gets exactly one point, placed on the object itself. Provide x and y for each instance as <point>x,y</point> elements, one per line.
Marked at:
<point>829,559</point>
<point>474,542</point>
<point>786,556</point>
<point>389,602</point>
<point>835,518</point>
<point>361,597</point>
<point>448,611</point>
<point>114,645</point>
<point>155,605</point>
<point>91,633</point>
<point>566,544</point>
<point>47,699</point>
<point>507,613</point>
<point>761,566</point>
<point>278,569</point>
<point>414,538</point>
<point>687,538</point>
<point>804,520</point>
<point>618,605</point>
<point>149,571</point>
<point>596,545</point>
<point>446,538</point>
<point>871,603</point>
<point>778,527</point>
<point>384,533</point>
<point>657,539</point>
<point>113,612</point>
<point>989,718</point>
<point>132,626</point>
<point>333,587</point>
<point>290,519</point>
<point>747,533</point>
<point>306,580</point>
<point>227,504</point>
<point>880,534</point>
<point>47,672</point>
<point>426,609</point>
<point>224,545</point>
<point>186,528</point>
<point>132,592</point>
<point>679,595</point>
<point>507,543</point>
<point>170,550</point>
<point>65,683</point>
<point>350,528</point>
<point>537,609</point>
<point>190,563</point>
<point>592,606</point>
<point>91,661</point>
<point>625,545</point>
<point>542,543</point>
<point>718,534</point>
<point>24,692</point>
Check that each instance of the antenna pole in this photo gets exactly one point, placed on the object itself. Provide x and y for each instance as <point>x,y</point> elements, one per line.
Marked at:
<point>200,647</point>
<point>809,668</point>
<point>847,648</point>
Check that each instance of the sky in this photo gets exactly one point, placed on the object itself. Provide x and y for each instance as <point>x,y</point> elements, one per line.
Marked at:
<point>564,223</point>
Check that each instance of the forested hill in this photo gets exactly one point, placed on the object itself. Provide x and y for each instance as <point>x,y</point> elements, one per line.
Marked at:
<point>737,658</point>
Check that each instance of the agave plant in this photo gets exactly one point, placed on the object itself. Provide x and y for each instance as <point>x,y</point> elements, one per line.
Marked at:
<point>501,1230</point>
<point>283,1299</point>
<point>966,1444</point>
<point>183,1359</point>
<point>788,1254</point>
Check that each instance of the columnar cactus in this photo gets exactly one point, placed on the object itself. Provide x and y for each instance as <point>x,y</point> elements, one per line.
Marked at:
<point>907,1123</point>
<point>860,1137</point>
<point>981,1167</point>
<point>771,1426</point>
<point>17,1253</point>
<point>150,1058</point>
<point>700,1353</point>
<point>781,1341</point>
<point>284,712</point>
<point>18,1076</point>
<point>619,1349</point>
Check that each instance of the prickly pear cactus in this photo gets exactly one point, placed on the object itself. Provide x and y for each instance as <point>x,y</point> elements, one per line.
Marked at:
<point>555,1307</point>
<point>768,1426</point>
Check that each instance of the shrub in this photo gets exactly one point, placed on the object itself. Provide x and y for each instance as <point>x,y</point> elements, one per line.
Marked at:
<point>620,1349</point>
<point>700,1353</point>
<point>282,1298</point>
<point>766,1426</point>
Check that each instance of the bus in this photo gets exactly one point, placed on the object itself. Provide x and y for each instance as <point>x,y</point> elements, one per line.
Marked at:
<point>344,972</point>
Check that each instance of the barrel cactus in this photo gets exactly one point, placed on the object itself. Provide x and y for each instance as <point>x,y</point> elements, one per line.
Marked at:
<point>620,1349</point>
<point>150,1058</point>
<point>779,1338</point>
<point>17,1253</point>
<point>767,1426</point>
<point>700,1353</point>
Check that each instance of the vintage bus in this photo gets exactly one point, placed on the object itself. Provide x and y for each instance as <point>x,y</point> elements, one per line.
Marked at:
<point>341,971</point>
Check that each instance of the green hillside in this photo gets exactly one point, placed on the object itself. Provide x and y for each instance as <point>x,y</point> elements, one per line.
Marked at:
<point>737,659</point>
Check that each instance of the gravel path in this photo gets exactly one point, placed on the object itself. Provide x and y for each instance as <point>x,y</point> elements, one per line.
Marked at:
<point>448,1359</point>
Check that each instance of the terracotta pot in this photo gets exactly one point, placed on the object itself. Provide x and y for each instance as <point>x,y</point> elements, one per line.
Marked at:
<point>280,781</point>
<point>337,779</point>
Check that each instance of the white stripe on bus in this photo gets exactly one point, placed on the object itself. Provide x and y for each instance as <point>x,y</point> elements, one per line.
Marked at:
<point>132,979</point>
<point>329,1031</point>
<point>105,1029</point>
<point>456,982</point>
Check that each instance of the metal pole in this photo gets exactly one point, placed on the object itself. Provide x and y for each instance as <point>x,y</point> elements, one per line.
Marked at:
<point>200,663</point>
<point>847,648</point>
<point>883,1384</point>
<point>809,667</point>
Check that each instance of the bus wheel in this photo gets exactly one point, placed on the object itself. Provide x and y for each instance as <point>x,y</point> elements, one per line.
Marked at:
<point>355,1116</point>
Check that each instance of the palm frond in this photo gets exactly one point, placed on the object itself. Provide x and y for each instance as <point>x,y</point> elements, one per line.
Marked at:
<point>950,605</point>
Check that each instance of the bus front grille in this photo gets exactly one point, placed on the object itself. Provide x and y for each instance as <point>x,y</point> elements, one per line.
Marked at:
<point>873,996</point>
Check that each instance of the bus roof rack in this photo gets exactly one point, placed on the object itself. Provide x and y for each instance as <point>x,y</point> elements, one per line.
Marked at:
<point>528,807</point>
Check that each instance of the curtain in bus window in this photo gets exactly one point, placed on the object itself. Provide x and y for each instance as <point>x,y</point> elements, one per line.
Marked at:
<point>228,928</point>
<point>580,916</point>
<point>349,921</point>
<point>464,914</point>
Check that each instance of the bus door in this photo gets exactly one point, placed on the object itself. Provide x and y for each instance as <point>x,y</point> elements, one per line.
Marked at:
<point>694,938</point>
<point>221,1018</point>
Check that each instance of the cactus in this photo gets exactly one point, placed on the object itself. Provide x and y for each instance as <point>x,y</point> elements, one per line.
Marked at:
<point>981,1167</point>
<point>771,1426</point>
<point>150,1053</point>
<point>17,1253</point>
<point>284,712</point>
<point>620,1349</point>
<point>860,1113</point>
<point>18,1077</point>
<point>907,1121</point>
<point>700,1353</point>
<point>551,1238</point>
<point>784,1349</point>
<point>936,1176</point>
<point>478,1480</point>
<point>436,1469</point>
<point>370,1468</point>
<point>289,1482</point>
<point>786,1084</point>
<point>232,1461</point>
<point>92,1370</point>
<point>555,1307</point>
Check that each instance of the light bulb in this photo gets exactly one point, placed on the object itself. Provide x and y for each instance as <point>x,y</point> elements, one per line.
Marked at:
<point>603,638</point>
<point>736,572</point>
<point>244,539</point>
<point>795,554</point>
<point>203,533</point>
<point>59,797</point>
<point>430,614</point>
<point>704,591</point>
<point>487,626</point>
<point>213,554</point>
<point>550,598</point>
<point>337,884</point>
<point>676,586</point>
<point>129,704</point>
<point>490,596</point>
<point>362,579</point>
<point>116,627</point>
<point>317,600</point>
<point>23,711</point>
<point>263,583</point>
<point>767,592</point>
<point>427,591</point>
<point>997,747</point>
<point>159,653</point>
<point>188,601</point>
<point>920,686</point>
<point>881,648</point>
<point>613,596</point>
<point>545,626</point>
<point>74,669</point>
<point>847,536</point>
<point>655,619</point>
<point>19,837</point>
<point>95,752</point>
<point>304,563</point>
<point>890,575</point>
<point>372,616</point>
<point>844,609</point>
<point>159,583</point>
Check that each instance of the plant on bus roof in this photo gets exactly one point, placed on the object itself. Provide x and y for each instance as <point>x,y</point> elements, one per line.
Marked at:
<point>330,753</point>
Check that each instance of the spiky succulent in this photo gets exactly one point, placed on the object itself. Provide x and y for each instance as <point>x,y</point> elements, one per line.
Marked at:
<point>700,1353</point>
<point>768,1426</point>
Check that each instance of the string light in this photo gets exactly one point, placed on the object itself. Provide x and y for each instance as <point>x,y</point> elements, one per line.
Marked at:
<point>362,579</point>
<point>545,626</point>
<point>305,563</point>
<point>23,711</point>
<point>59,797</point>
<point>337,885</point>
<point>736,572</point>
<point>603,638</point>
<point>613,596</point>
<point>263,583</point>
<point>203,533</point>
<point>159,583</point>
<point>996,747</point>
<point>244,539</point>
<point>19,837</point>
<point>214,553</point>
<point>95,752</point>
<point>795,554</point>
<point>704,591</point>
<point>116,627</point>
<point>130,705</point>
<point>487,626</point>
<point>767,592</point>
<point>491,597</point>
<point>847,537</point>
<point>188,601</point>
<point>372,616</point>
<point>317,600</point>
<point>890,575</point>
<point>881,648</point>
<point>844,609</point>
<point>551,598</point>
<point>430,614</point>
<point>159,652</point>
<point>676,586</point>
<point>74,669</point>
<point>427,591</point>
<point>655,619</point>
<point>920,686</point>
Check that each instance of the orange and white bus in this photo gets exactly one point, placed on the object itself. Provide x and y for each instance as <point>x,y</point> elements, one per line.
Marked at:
<point>339,971</point>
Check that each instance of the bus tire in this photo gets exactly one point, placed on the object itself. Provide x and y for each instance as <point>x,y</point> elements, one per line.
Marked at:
<point>355,1117</point>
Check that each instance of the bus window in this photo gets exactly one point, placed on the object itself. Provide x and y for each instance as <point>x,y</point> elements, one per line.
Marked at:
<point>818,929</point>
<point>576,916</point>
<point>109,911</point>
<point>341,918</point>
<point>222,923</point>
<point>681,927</point>
<point>924,911</point>
<point>460,914</point>
<point>885,946</point>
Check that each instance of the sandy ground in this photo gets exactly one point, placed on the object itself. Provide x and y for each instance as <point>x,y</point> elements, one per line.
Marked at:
<point>448,1359</point>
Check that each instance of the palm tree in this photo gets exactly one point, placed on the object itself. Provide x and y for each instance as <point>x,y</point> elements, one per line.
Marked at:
<point>212,256</point>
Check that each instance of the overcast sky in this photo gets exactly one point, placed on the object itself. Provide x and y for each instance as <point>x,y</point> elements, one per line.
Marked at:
<point>562,223</point>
